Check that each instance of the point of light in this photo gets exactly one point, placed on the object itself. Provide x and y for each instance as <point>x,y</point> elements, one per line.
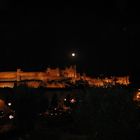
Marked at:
<point>72,101</point>
<point>73,54</point>
<point>9,104</point>
<point>11,117</point>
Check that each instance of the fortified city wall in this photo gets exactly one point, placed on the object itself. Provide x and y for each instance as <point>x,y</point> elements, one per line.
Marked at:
<point>34,79</point>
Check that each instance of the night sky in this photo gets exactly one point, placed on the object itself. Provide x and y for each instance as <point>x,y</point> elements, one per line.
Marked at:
<point>36,35</point>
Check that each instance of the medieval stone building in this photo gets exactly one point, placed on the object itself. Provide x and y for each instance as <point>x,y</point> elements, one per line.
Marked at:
<point>53,78</point>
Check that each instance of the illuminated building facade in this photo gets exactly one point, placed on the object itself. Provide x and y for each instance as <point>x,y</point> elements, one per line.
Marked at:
<point>56,78</point>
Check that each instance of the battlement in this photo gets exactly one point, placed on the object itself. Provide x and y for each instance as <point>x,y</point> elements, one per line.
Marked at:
<point>55,78</point>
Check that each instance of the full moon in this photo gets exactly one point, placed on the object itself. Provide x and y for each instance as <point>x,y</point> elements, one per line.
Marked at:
<point>73,54</point>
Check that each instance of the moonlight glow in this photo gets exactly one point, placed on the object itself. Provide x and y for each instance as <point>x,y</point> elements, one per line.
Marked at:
<point>73,54</point>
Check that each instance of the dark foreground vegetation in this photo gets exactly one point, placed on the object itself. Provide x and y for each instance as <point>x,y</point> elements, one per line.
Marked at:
<point>98,114</point>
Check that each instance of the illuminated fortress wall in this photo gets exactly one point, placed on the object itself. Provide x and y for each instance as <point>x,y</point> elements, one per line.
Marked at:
<point>108,81</point>
<point>35,79</point>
